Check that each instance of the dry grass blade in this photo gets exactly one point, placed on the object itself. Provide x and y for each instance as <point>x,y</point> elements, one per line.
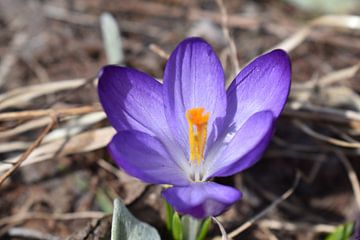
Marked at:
<point>224,235</point>
<point>290,226</point>
<point>27,126</point>
<point>84,142</point>
<point>306,129</point>
<point>352,176</point>
<point>27,233</point>
<point>159,51</point>
<point>268,233</point>
<point>31,148</point>
<point>63,14</point>
<point>21,217</point>
<point>250,222</point>
<point>234,21</point>
<point>338,21</point>
<point>322,113</point>
<point>23,96</point>
<point>13,146</point>
<point>45,112</point>
<point>329,79</point>
<point>73,127</point>
<point>10,58</point>
<point>226,32</point>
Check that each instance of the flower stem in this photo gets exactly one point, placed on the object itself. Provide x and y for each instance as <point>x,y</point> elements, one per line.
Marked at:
<point>191,227</point>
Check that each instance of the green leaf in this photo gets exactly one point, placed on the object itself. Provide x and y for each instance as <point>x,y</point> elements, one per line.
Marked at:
<point>103,201</point>
<point>204,229</point>
<point>342,232</point>
<point>177,230</point>
<point>126,227</point>
<point>169,216</point>
<point>112,39</point>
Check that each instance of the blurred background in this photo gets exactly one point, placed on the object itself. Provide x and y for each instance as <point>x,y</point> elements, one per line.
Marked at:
<point>51,51</point>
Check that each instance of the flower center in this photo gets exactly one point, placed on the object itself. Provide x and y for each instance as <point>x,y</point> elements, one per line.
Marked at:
<point>198,121</point>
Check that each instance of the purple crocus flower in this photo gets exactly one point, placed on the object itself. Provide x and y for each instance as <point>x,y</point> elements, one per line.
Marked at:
<point>190,129</point>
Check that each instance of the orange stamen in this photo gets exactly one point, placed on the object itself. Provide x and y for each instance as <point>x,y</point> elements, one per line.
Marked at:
<point>197,121</point>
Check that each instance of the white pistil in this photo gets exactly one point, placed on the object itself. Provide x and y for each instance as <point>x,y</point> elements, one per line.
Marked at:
<point>197,171</point>
<point>197,174</point>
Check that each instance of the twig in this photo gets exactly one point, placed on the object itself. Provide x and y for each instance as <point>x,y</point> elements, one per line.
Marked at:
<point>35,144</point>
<point>351,175</point>
<point>283,197</point>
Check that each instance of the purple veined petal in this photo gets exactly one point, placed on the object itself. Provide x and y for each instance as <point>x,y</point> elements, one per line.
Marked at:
<point>132,100</point>
<point>194,77</point>
<point>201,199</point>
<point>245,148</point>
<point>263,84</point>
<point>146,158</point>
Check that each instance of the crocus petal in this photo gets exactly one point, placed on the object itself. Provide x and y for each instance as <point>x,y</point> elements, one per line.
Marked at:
<point>245,148</point>
<point>264,84</point>
<point>146,158</point>
<point>201,199</point>
<point>194,78</point>
<point>132,100</point>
